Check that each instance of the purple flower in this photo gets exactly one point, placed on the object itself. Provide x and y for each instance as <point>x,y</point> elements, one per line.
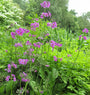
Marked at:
<point>49,24</point>
<point>45,4</point>
<point>28,43</point>
<point>24,74</point>
<point>80,37</point>
<point>84,38</point>
<point>60,59</point>
<point>41,92</point>
<point>35,71</point>
<point>55,58</point>
<point>47,65</point>
<point>25,80</point>
<point>7,78</point>
<point>14,65</point>
<point>33,59</point>
<point>18,44</point>
<point>13,34</point>
<point>68,55</point>
<point>36,19</point>
<point>54,25</point>
<point>29,35</point>
<point>85,30</point>
<point>23,61</point>
<point>6,51</point>
<point>9,68</point>
<point>20,31</point>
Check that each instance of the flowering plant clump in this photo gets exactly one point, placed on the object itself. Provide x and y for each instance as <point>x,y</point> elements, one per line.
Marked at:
<point>52,25</point>
<point>46,62</point>
<point>45,15</point>
<point>85,30</point>
<point>45,4</point>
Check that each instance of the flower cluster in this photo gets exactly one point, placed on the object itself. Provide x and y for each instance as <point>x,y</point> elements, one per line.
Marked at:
<point>45,15</point>
<point>18,44</point>
<point>52,25</point>
<point>23,76</point>
<point>53,44</point>
<point>8,77</point>
<point>38,44</point>
<point>34,26</point>
<point>19,32</point>
<point>85,30</point>
<point>23,61</point>
<point>28,43</point>
<point>55,58</point>
<point>84,37</point>
<point>9,67</point>
<point>45,4</point>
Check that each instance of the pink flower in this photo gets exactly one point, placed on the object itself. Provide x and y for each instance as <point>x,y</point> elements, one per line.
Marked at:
<point>84,38</point>
<point>47,34</point>
<point>9,68</point>
<point>55,58</point>
<point>28,43</point>
<point>54,25</point>
<point>14,65</point>
<point>36,19</point>
<point>49,24</point>
<point>29,35</point>
<point>14,78</point>
<point>20,31</point>
<point>7,78</point>
<point>49,14</point>
<point>33,59</point>
<point>60,59</point>
<point>47,65</point>
<point>24,74</point>
<point>23,61</point>
<point>13,34</point>
<point>45,4</point>
<point>18,44</point>
<point>33,35</point>
<point>68,55</point>
<point>35,71</point>
<point>6,51</point>
<point>25,80</point>
<point>80,37</point>
<point>85,30</point>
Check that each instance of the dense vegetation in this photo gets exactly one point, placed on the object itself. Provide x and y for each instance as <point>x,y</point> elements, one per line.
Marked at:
<point>44,49</point>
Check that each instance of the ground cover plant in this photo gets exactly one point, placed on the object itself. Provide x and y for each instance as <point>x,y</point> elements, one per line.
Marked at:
<point>44,59</point>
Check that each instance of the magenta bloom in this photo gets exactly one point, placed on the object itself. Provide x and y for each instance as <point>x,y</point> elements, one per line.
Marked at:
<point>24,74</point>
<point>54,25</point>
<point>45,4</point>
<point>23,61</point>
<point>47,34</point>
<point>7,78</point>
<point>25,80</point>
<point>13,34</point>
<point>9,68</point>
<point>34,26</point>
<point>6,51</point>
<point>33,35</point>
<point>35,71</point>
<point>60,59</point>
<point>49,14</point>
<point>84,38</point>
<point>28,43</point>
<point>18,44</point>
<point>33,59</point>
<point>14,65</point>
<point>20,31</point>
<point>36,19</point>
<point>49,24</point>
<point>55,58</point>
<point>68,55</point>
<point>80,37</point>
<point>47,65</point>
<point>85,30</point>
<point>41,92</point>
<point>14,78</point>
